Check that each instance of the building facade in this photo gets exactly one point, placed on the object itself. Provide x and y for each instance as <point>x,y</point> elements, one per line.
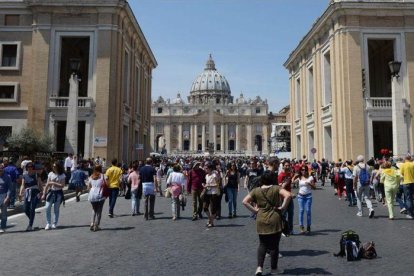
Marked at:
<point>40,40</point>
<point>211,117</point>
<point>343,97</point>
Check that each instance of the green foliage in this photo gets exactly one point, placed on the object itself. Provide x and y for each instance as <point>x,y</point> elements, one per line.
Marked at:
<point>29,141</point>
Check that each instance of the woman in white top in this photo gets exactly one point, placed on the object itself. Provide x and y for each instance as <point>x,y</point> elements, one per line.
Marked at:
<point>95,197</point>
<point>53,193</point>
<point>306,184</point>
<point>176,180</point>
<point>212,197</point>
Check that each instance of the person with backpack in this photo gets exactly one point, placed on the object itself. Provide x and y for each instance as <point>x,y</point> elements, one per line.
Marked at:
<point>362,176</point>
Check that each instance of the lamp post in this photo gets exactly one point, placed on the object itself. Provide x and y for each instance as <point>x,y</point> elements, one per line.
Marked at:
<point>399,120</point>
<point>71,142</point>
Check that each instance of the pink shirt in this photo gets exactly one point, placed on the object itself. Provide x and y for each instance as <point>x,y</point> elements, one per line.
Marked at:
<point>134,179</point>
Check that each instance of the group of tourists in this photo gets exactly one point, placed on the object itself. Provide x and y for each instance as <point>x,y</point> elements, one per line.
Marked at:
<point>208,180</point>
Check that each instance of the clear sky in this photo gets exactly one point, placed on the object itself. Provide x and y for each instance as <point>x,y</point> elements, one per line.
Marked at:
<point>248,39</point>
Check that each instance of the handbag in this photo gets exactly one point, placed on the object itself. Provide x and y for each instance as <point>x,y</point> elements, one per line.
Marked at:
<point>183,200</point>
<point>167,192</point>
<point>105,189</point>
<point>128,194</point>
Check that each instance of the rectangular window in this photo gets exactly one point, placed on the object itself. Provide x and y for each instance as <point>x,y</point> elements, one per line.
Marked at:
<point>12,20</point>
<point>126,78</point>
<point>310,96</point>
<point>137,89</point>
<point>8,92</point>
<point>257,110</point>
<point>159,110</point>
<point>9,55</point>
<point>258,128</point>
<point>327,86</point>
<point>298,100</point>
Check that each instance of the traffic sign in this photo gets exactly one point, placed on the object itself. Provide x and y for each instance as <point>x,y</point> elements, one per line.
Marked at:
<point>313,150</point>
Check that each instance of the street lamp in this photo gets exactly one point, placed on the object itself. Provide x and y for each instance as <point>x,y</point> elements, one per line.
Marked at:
<point>395,67</point>
<point>74,64</point>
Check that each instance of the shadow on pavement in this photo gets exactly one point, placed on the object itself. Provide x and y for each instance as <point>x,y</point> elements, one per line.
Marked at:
<point>323,232</point>
<point>306,271</point>
<point>117,228</point>
<point>229,225</point>
<point>72,226</point>
<point>304,252</point>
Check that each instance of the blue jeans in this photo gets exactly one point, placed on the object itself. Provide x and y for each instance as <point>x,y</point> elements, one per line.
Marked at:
<point>305,203</point>
<point>408,193</point>
<point>135,202</point>
<point>289,214</point>
<point>13,187</point>
<point>30,205</point>
<point>232,196</point>
<point>113,194</point>
<point>3,209</point>
<point>399,197</point>
<point>350,194</point>
<point>56,208</point>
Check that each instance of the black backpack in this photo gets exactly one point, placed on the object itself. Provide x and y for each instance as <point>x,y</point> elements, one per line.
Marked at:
<point>349,245</point>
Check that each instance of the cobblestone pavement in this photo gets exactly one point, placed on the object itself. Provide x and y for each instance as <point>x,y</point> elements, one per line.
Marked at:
<point>131,246</point>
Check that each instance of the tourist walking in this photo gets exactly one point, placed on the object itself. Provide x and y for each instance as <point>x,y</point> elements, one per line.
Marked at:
<point>53,194</point>
<point>196,178</point>
<point>211,199</point>
<point>306,184</point>
<point>231,186</point>
<point>348,170</point>
<point>5,185</point>
<point>391,179</point>
<point>149,182</point>
<point>407,172</point>
<point>31,189</point>
<point>285,181</point>
<point>176,181</point>
<point>362,176</point>
<point>11,170</point>
<point>136,189</point>
<point>96,184</point>
<point>77,180</point>
<point>113,174</point>
<point>268,209</point>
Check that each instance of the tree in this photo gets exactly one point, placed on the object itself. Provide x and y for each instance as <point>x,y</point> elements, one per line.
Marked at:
<point>28,142</point>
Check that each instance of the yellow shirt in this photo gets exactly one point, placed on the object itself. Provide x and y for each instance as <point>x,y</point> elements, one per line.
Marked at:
<point>114,176</point>
<point>407,171</point>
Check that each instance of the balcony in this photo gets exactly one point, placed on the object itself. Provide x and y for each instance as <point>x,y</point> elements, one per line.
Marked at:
<point>327,110</point>
<point>378,103</point>
<point>62,102</point>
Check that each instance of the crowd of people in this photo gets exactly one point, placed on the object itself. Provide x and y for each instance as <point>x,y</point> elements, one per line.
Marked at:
<point>208,180</point>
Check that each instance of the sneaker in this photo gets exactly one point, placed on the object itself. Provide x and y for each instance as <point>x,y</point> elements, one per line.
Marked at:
<point>308,229</point>
<point>230,216</point>
<point>409,216</point>
<point>174,218</point>
<point>280,256</point>
<point>47,227</point>
<point>194,218</point>
<point>276,271</point>
<point>403,210</point>
<point>259,271</point>
<point>2,231</point>
<point>29,228</point>
<point>371,213</point>
<point>359,214</point>
<point>111,215</point>
<point>54,226</point>
<point>234,215</point>
<point>302,230</point>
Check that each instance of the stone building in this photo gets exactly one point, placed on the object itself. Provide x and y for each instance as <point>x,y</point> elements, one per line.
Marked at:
<point>210,117</point>
<point>345,100</point>
<point>41,40</point>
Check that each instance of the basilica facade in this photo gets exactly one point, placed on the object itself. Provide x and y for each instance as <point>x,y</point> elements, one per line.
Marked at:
<point>210,120</point>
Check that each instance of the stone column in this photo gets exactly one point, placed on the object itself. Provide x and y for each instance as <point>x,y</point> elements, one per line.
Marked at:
<point>153,142</point>
<point>167,134</point>
<point>180,137</point>
<point>195,136</point>
<point>237,137</point>
<point>250,146</point>
<point>265,137</point>
<point>191,137</point>
<point>203,138</point>
<point>215,137</point>
<point>222,138</point>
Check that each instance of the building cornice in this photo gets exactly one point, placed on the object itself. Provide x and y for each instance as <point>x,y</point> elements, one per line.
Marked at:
<point>342,8</point>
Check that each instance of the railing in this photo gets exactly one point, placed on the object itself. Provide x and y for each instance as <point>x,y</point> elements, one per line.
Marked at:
<point>378,103</point>
<point>62,102</point>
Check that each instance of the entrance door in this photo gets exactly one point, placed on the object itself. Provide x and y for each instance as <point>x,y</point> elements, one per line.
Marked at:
<point>382,134</point>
